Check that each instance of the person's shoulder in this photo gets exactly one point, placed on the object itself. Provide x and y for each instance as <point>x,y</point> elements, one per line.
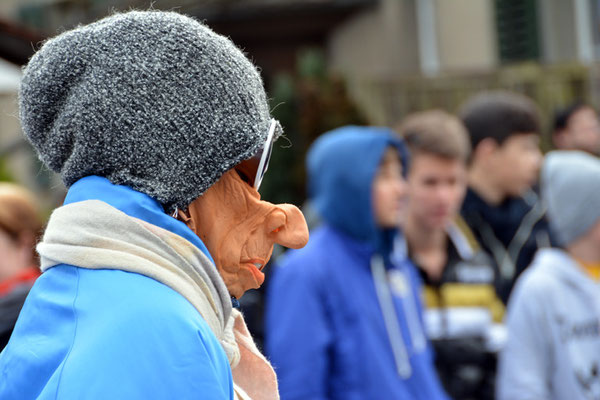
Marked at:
<point>463,239</point>
<point>540,278</point>
<point>322,245</point>
<point>143,323</point>
<point>129,313</point>
<point>323,259</point>
<point>138,301</point>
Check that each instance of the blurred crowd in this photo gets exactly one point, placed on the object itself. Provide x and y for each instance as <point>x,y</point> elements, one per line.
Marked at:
<point>448,258</point>
<point>490,287</point>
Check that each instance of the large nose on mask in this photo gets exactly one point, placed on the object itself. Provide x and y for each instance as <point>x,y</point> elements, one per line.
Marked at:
<point>288,226</point>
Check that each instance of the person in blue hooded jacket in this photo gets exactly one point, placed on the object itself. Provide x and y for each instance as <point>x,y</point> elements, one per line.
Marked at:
<point>343,316</point>
<point>161,130</point>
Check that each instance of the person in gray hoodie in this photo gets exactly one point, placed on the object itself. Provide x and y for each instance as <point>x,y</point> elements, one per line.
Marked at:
<point>553,348</point>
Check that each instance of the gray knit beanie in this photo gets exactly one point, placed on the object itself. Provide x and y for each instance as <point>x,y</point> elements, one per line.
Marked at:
<point>571,189</point>
<point>152,100</point>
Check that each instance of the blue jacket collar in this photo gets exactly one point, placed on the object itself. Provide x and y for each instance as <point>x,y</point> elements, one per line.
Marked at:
<point>132,203</point>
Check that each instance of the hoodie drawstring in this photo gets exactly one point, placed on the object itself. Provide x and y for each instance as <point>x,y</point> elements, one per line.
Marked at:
<point>384,296</point>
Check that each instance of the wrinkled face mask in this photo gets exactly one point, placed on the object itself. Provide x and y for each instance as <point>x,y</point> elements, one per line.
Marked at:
<point>239,230</point>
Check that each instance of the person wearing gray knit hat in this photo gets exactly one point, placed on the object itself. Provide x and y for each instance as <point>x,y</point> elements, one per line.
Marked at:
<point>571,190</point>
<point>152,100</point>
<point>553,347</point>
<point>160,128</point>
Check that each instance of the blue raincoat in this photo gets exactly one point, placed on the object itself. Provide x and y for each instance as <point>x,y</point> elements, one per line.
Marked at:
<point>109,334</point>
<point>344,318</point>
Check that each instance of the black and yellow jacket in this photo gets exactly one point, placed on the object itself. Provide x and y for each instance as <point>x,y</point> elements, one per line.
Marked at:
<point>463,316</point>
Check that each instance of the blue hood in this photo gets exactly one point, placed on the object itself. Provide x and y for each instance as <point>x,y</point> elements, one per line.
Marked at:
<point>341,167</point>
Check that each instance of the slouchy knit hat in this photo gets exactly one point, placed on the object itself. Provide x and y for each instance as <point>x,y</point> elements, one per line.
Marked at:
<point>152,100</point>
<point>571,189</point>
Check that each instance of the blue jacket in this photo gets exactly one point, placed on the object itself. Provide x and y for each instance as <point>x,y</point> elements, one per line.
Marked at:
<point>337,326</point>
<point>109,334</point>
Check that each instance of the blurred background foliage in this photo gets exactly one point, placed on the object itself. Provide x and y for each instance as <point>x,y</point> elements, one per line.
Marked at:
<point>307,102</point>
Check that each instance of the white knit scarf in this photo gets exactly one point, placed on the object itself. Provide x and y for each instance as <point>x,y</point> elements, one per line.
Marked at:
<point>92,234</point>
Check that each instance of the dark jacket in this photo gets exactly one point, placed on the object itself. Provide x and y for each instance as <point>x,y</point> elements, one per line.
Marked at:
<point>511,233</point>
<point>10,307</point>
<point>13,292</point>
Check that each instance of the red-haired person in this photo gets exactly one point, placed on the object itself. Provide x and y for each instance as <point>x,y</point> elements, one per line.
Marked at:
<point>20,226</point>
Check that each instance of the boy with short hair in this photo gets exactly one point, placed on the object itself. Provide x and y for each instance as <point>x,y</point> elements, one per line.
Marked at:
<point>459,293</point>
<point>553,349</point>
<point>500,206</point>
